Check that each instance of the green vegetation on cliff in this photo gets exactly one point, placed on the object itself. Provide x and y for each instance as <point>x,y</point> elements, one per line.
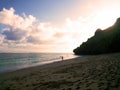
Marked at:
<point>104,41</point>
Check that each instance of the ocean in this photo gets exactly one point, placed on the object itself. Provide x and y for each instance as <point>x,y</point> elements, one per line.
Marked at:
<point>15,61</point>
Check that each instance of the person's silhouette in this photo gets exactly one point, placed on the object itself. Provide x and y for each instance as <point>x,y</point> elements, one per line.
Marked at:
<point>62,57</point>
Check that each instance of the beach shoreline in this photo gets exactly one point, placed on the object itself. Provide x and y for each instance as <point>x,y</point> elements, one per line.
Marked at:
<point>41,64</point>
<point>10,62</point>
<point>97,72</point>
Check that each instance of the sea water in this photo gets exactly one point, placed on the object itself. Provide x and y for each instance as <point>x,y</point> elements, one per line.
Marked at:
<point>14,61</point>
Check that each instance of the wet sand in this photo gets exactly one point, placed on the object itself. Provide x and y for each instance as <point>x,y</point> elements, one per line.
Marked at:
<point>99,72</point>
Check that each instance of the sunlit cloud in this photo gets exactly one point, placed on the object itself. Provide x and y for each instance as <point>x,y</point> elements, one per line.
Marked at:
<point>23,28</point>
<point>8,17</point>
<point>26,33</point>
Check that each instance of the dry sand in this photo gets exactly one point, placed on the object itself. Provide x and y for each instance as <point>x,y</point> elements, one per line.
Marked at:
<point>100,72</point>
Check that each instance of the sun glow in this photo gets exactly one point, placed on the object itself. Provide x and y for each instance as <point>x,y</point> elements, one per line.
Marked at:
<point>106,18</point>
<point>103,21</point>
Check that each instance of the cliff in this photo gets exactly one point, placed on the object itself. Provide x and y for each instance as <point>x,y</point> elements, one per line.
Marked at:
<point>104,41</point>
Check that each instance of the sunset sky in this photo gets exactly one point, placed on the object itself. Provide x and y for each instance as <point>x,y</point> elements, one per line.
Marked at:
<point>52,25</point>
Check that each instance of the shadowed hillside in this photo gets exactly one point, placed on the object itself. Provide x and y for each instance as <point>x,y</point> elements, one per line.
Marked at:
<point>104,41</point>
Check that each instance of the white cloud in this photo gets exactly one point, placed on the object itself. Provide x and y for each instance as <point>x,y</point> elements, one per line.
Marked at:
<point>23,32</point>
<point>8,17</point>
<point>18,27</point>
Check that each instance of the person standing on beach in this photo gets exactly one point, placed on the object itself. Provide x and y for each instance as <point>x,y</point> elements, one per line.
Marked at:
<point>62,57</point>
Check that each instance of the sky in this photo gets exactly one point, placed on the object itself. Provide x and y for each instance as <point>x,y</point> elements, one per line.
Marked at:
<point>52,25</point>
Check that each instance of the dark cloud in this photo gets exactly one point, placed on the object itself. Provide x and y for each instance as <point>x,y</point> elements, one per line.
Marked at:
<point>14,34</point>
<point>32,39</point>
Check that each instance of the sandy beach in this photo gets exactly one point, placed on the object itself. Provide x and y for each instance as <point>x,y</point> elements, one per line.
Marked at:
<point>98,72</point>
